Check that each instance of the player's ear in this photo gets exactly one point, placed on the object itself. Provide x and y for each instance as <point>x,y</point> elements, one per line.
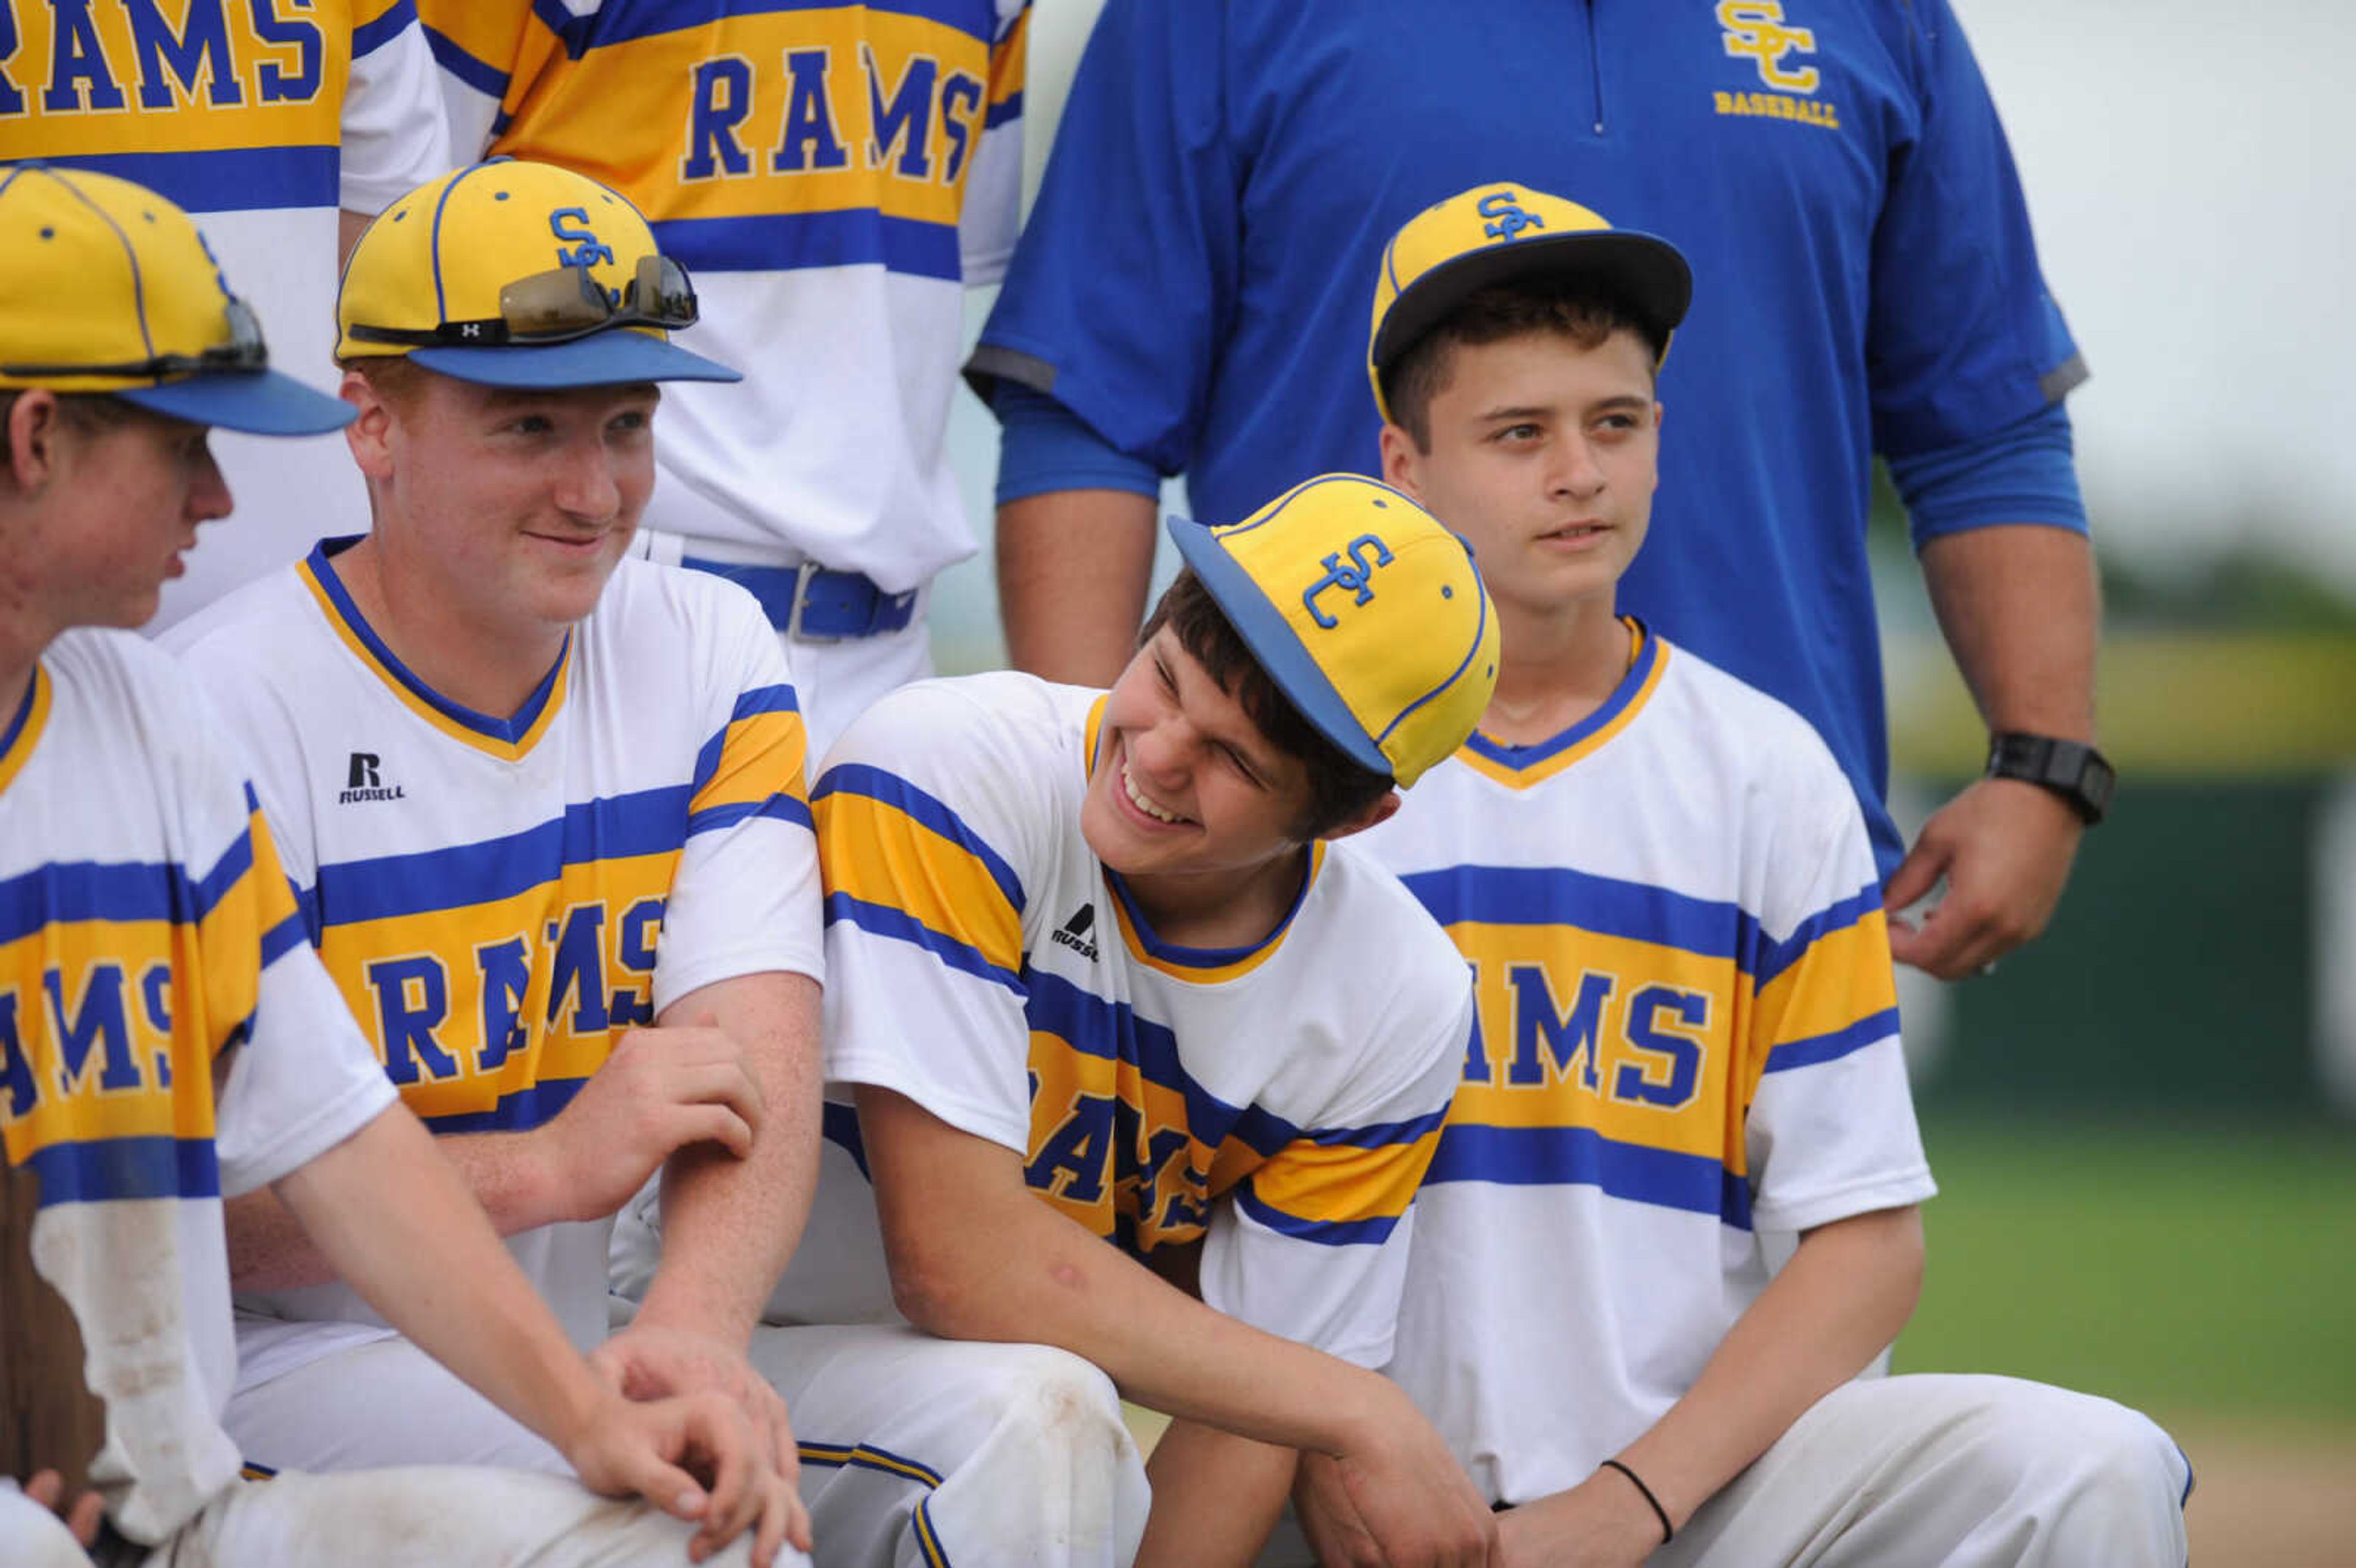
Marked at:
<point>34,424</point>
<point>1400,467</point>
<point>371,436</point>
<point>1358,822</point>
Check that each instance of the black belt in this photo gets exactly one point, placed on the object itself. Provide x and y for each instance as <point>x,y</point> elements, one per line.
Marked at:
<point>811,604</point>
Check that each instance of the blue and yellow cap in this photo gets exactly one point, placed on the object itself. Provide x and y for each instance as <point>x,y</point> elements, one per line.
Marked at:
<point>1366,612</point>
<point>1497,233</point>
<point>482,275</point>
<point>106,287</point>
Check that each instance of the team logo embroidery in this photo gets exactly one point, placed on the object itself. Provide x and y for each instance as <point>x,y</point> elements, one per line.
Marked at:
<point>1755,31</point>
<point>1508,219</point>
<point>570,224</point>
<point>1074,933</point>
<point>364,781</point>
<point>1350,579</point>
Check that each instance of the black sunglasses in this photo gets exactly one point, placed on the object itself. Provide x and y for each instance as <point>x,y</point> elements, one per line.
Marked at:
<point>558,306</point>
<point>243,352</point>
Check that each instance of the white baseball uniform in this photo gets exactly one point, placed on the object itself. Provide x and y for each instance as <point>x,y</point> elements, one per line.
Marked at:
<point>1689,1035</point>
<point>1278,1102</point>
<point>167,1041</point>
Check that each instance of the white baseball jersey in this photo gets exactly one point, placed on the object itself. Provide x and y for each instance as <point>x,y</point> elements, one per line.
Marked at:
<point>499,899</point>
<point>167,1039</point>
<point>263,122</point>
<point>834,175</point>
<point>1688,1033</point>
<point>1283,1098</point>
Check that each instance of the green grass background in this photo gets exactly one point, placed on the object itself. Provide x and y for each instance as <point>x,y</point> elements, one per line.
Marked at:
<point>2193,1270</point>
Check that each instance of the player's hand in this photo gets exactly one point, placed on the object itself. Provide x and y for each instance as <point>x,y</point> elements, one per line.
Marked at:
<point>1413,1498</point>
<point>648,1360</point>
<point>659,1449</point>
<point>49,1488</point>
<point>2005,847</point>
<point>658,1091</point>
<point>1602,1523</point>
<point>1329,1519</point>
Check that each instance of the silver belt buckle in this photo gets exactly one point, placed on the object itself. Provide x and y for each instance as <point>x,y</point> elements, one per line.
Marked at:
<point>793,632</point>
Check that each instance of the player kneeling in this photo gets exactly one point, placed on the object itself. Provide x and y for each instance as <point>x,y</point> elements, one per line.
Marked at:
<point>1662,882</point>
<point>167,1039</point>
<point>1103,969</point>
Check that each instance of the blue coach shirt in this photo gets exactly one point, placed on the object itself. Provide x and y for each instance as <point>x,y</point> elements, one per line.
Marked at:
<point>1197,278</point>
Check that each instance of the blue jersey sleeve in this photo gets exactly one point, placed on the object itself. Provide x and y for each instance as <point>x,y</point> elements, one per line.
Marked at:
<point>1962,338</point>
<point>1123,284</point>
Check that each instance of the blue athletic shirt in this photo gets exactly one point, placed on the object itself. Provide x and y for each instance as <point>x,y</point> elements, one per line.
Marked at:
<point>1197,276</point>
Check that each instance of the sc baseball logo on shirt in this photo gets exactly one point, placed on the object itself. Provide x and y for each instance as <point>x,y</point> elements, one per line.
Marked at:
<point>1757,31</point>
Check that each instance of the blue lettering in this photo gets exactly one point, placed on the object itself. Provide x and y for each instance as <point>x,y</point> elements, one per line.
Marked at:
<point>12,99</point>
<point>1071,1162</point>
<point>278,86</point>
<point>635,935</point>
<point>1476,1049</point>
<point>808,141</point>
<point>570,224</point>
<point>905,121</point>
<point>412,997</point>
<point>1634,1082</point>
<point>15,1069</point>
<point>577,995</point>
<point>201,44</point>
<point>1566,1037</point>
<point>960,123</point>
<point>155,999</point>
<point>506,969</point>
<point>79,77</point>
<point>718,101</point>
<point>101,1021</point>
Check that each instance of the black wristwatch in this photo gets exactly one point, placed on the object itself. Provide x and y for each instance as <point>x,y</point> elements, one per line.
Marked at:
<point>2070,769</point>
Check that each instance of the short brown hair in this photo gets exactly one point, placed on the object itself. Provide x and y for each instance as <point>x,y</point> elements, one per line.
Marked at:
<point>392,376</point>
<point>1577,308</point>
<point>1339,788</point>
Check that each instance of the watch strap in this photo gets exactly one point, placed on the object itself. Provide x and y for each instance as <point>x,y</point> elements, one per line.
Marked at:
<point>2076,772</point>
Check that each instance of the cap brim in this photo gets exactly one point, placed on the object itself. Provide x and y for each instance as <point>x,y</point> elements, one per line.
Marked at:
<point>1646,270</point>
<point>610,359</point>
<point>259,403</point>
<point>1275,644</point>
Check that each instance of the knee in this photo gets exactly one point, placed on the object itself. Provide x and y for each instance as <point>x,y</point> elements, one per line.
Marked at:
<point>1050,1401</point>
<point>2098,1456</point>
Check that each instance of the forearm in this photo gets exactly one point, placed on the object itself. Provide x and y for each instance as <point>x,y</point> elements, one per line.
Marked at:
<point>2021,611</point>
<point>506,1174</point>
<point>730,1225</point>
<point>1844,1295</point>
<point>1073,566</point>
<point>388,1214</point>
<point>1215,1498</point>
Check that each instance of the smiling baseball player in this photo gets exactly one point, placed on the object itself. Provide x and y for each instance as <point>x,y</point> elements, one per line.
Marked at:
<point>167,1040</point>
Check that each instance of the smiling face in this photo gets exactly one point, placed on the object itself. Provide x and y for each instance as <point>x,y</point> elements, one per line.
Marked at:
<point>120,494</point>
<point>514,504</point>
<point>1183,781</point>
<point>1543,454</point>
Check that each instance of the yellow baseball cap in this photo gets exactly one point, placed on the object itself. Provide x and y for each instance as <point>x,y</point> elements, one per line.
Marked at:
<point>1496,233</point>
<point>514,273</point>
<point>1364,610</point>
<point>106,287</point>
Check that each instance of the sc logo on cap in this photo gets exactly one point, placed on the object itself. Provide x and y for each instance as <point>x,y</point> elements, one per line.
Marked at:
<point>588,250</point>
<point>1505,208</point>
<point>1350,579</point>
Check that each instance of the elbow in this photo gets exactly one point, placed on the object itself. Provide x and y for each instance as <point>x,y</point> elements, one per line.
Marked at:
<point>1904,1261</point>
<point>933,1292</point>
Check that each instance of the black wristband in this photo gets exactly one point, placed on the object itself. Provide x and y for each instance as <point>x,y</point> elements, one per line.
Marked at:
<point>1668,1531</point>
<point>2079,774</point>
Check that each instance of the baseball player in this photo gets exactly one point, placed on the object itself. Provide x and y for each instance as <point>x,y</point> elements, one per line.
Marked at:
<point>285,128</point>
<point>167,1040</point>
<point>546,821</point>
<point>1104,969</point>
<point>836,176</point>
<point>1688,1030</point>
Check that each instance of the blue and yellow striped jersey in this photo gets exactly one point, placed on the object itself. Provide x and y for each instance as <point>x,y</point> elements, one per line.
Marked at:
<point>834,174</point>
<point>498,898</point>
<point>1280,1101</point>
<point>264,120</point>
<point>1688,1034</point>
<point>166,1040</point>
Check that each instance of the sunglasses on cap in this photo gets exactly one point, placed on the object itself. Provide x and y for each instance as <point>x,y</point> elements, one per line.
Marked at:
<point>558,306</point>
<point>243,352</point>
